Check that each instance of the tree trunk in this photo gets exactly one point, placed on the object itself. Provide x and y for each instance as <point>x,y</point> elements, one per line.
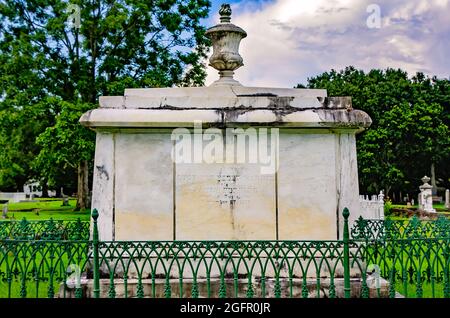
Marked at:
<point>433,180</point>
<point>57,193</point>
<point>388,189</point>
<point>45,189</point>
<point>83,186</point>
<point>86,184</point>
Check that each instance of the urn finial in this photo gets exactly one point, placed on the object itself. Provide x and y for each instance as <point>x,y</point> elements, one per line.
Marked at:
<point>225,13</point>
<point>425,179</point>
<point>225,38</point>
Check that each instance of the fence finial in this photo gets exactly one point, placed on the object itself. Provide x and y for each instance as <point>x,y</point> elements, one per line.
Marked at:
<point>94,214</point>
<point>346,237</point>
<point>346,213</point>
<point>95,243</point>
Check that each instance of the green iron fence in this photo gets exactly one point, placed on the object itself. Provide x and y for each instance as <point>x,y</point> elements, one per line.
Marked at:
<point>44,230</point>
<point>412,267</point>
<point>400,229</point>
<point>356,266</point>
<point>30,268</point>
<point>412,255</point>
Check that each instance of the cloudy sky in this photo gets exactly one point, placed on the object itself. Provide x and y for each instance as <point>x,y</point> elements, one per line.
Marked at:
<point>291,40</point>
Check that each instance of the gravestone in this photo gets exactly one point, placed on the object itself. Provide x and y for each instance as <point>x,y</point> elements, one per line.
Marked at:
<point>447,199</point>
<point>4,208</point>
<point>224,162</point>
<point>65,201</point>
<point>426,196</point>
<point>65,198</point>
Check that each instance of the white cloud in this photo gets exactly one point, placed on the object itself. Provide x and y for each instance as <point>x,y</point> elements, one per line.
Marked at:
<point>290,40</point>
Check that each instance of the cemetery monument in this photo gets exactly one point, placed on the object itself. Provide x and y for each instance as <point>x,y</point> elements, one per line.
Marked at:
<point>426,196</point>
<point>225,162</point>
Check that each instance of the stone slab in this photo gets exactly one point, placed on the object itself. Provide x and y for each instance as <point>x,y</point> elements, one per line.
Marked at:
<point>103,184</point>
<point>347,179</point>
<point>307,187</point>
<point>143,187</point>
<point>157,118</point>
<point>224,91</point>
<point>224,202</point>
<point>213,286</point>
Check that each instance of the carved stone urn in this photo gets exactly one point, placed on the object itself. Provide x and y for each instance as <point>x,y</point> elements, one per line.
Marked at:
<point>225,38</point>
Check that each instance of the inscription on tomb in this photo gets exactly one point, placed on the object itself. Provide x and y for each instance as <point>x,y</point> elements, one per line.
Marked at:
<point>233,187</point>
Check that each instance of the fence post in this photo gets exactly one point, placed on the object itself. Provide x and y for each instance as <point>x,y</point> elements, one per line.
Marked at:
<point>95,251</point>
<point>346,238</point>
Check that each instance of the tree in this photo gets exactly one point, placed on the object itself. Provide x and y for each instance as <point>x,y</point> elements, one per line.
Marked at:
<point>410,129</point>
<point>18,130</point>
<point>62,143</point>
<point>118,44</point>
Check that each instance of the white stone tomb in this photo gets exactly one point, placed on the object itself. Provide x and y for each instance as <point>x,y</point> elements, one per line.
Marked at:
<point>143,193</point>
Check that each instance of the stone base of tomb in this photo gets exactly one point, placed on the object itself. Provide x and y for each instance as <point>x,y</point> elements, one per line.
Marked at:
<point>159,289</point>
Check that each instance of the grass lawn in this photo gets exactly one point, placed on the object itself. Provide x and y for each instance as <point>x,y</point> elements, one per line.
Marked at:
<point>31,268</point>
<point>409,260</point>
<point>438,207</point>
<point>45,209</point>
<point>41,209</point>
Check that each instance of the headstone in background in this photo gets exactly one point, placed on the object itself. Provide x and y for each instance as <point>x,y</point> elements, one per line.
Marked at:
<point>426,195</point>
<point>4,208</point>
<point>65,198</point>
<point>65,201</point>
<point>447,199</point>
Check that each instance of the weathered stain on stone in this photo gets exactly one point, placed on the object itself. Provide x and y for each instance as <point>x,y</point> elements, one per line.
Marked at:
<point>231,114</point>
<point>280,102</point>
<point>281,106</point>
<point>102,171</point>
<point>344,118</point>
<point>170,107</point>
<point>257,95</point>
<point>133,225</point>
<point>86,118</point>
<point>339,102</point>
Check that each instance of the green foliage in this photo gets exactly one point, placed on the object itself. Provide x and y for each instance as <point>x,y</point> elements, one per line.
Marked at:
<point>64,144</point>
<point>50,72</point>
<point>19,126</point>
<point>387,207</point>
<point>410,129</point>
